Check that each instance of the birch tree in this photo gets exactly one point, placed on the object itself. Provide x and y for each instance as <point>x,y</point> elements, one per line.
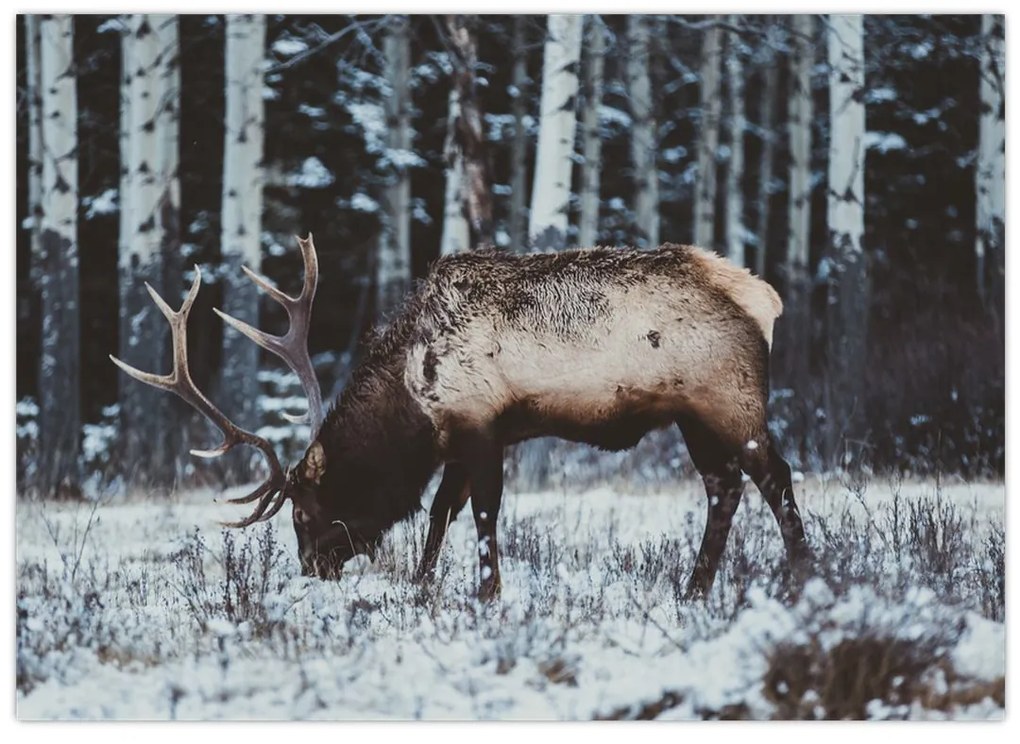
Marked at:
<point>393,267</point>
<point>591,165</point>
<point>456,237</point>
<point>643,133</point>
<point>35,143</point>
<point>519,88</point>
<point>150,203</point>
<point>846,333</point>
<point>241,221</point>
<point>550,195</point>
<point>801,113</point>
<point>798,334</point>
<point>735,172</point>
<point>767,128</point>
<point>990,172</point>
<point>468,189</point>
<point>708,142</point>
<point>59,374</point>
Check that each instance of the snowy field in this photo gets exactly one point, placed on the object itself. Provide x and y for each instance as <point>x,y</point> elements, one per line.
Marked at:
<point>142,610</point>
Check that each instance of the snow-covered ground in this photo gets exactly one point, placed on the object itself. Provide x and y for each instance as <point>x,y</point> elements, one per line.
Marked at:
<point>143,610</point>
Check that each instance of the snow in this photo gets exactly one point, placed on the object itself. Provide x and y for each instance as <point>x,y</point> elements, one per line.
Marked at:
<point>104,203</point>
<point>312,175</point>
<point>371,118</point>
<point>589,623</point>
<point>288,46</point>
<point>361,202</point>
<point>884,141</point>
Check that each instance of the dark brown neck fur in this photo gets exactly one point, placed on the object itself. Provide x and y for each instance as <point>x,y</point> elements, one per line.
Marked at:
<point>380,446</point>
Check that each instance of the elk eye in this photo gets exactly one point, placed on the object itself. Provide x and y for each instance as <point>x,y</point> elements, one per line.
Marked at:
<point>301,516</point>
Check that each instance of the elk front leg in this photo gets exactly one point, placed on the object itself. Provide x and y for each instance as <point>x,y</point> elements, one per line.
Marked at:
<point>484,465</point>
<point>450,498</point>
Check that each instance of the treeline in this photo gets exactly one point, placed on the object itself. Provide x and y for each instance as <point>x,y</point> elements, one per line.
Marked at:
<point>856,162</point>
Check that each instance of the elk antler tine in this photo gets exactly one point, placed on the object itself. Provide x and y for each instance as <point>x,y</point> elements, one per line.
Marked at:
<point>311,261</point>
<point>192,293</point>
<point>268,287</point>
<point>262,338</point>
<point>215,452</point>
<point>258,514</point>
<point>160,381</point>
<point>164,308</point>
<point>274,508</point>
<point>247,499</point>
<point>304,418</point>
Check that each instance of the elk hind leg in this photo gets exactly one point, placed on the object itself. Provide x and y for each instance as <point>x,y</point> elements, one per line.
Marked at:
<point>771,474</point>
<point>719,466</point>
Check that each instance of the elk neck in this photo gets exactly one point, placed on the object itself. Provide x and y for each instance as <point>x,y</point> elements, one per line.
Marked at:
<point>380,446</point>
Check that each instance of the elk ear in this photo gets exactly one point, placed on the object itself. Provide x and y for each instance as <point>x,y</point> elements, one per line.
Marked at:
<point>313,464</point>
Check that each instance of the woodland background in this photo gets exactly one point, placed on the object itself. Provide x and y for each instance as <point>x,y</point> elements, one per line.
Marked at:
<point>857,163</point>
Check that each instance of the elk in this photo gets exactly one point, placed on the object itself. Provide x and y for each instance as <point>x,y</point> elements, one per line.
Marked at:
<point>596,345</point>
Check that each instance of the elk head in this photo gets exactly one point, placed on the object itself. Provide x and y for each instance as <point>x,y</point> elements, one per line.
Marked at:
<point>323,543</point>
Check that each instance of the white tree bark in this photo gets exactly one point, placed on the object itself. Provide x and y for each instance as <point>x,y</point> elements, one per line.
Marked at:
<point>35,144</point>
<point>591,166</point>
<point>550,195</point>
<point>846,143</point>
<point>711,104</point>
<point>149,242</point>
<point>643,133</point>
<point>59,374</point>
<point>735,172</point>
<point>456,235</point>
<point>767,127</point>
<point>241,221</point>
<point>990,171</point>
<point>467,166</point>
<point>848,303</point>
<point>519,147</point>
<point>393,267</point>
<point>801,113</point>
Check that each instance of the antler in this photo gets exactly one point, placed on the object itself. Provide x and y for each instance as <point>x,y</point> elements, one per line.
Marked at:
<point>292,347</point>
<point>179,381</point>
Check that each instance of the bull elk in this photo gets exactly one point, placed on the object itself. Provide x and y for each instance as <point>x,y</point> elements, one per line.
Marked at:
<point>598,346</point>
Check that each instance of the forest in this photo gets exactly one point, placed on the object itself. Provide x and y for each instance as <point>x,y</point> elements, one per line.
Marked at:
<point>859,170</point>
<point>854,162</point>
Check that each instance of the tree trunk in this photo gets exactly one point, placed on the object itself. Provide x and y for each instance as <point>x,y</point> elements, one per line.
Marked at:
<point>467,162</point>
<point>711,103</point>
<point>519,149</point>
<point>35,143</point>
<point>59,374</point>
<point>770,84</point>
<point>241,228</point>
<point>393,269</point>
<point>801,112</point>
<point>591,167</point>
<point>550,195</point>
<point>846,333</point>
<point>797,337</point>
<point>456,233</point>
<point>990,172</point>
<point>643,136</point>
<point>735,172</point>
<point>150,420</point>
